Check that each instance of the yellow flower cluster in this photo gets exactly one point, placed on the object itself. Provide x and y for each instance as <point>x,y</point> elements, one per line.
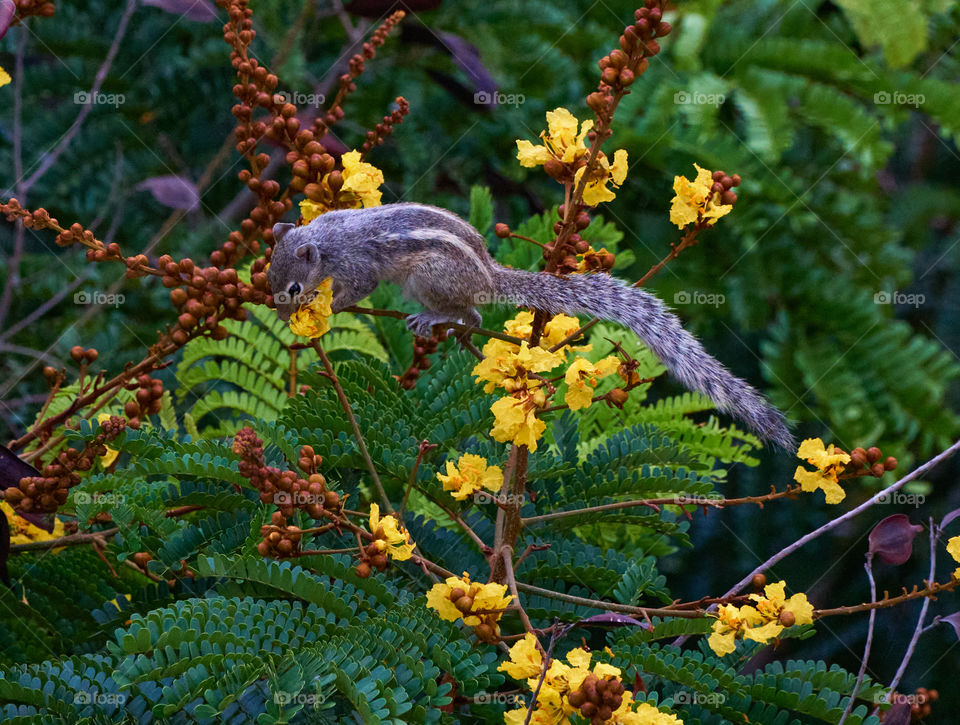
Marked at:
<point>391,538</point>
<point>695,200</point>
<point>564,147</point>
<point>360,188</point>
<point>312,320</point>
<point>4,77</point>
<point>479,605</point>
<point>762,621</point>
<point>563,680</point>
<point>516,369</point>
<point>23,532</point>
<point>470,474</point>
<point>953,548</point>
<point>830,462</point>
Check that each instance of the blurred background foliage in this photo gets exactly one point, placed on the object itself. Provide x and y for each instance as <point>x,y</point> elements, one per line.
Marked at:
<point>842,118</point>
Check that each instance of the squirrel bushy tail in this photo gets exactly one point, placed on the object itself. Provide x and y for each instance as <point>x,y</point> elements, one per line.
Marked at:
<point>608,298</point>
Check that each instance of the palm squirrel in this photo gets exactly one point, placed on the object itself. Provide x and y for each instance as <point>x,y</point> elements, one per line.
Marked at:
<point>443,263</point>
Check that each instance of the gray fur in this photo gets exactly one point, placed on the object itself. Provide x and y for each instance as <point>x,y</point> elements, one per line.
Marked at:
<point>443,263</point>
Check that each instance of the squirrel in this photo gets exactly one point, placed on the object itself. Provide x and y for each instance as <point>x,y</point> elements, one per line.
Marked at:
<point>442,262</point>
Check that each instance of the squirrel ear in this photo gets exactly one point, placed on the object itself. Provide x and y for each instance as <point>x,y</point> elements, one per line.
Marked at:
<point>308,252</point>
<point>280,230</point>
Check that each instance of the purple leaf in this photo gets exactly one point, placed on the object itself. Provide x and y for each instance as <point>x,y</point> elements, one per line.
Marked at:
<point>899,714</point>
<point>612,619</point>
<point>949,517</point>
<point>954,621</point>
<point>202,11</point>
<point>173,191</point>
<point>7,10</point>
<point>892,539</point>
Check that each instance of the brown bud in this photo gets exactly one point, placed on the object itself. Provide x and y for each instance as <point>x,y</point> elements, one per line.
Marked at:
<point>787,618</point>
<point>363,570</point>
<point>758,582</point>
<point>76,352</point>
<point>873,454</point>
<point>502,230</point>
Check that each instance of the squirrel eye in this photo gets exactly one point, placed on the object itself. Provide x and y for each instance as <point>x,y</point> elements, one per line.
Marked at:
<point>294,289</point>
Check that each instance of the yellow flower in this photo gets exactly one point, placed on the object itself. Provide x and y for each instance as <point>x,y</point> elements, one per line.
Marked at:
<point>558,329</point>
<point>731,624</point>
<point>645,714</point>
<point>525,659</point>
<point>582,378</point>
<point>772,606</point>
<point>506,366</point>
<point>953,548</point>
<point>23,532</point>
<point>391,536</point>
<point>829,461</point>
<point>111,455</point>
<point>4,77</point>
<point>360,188</point>
<point>311,320</point>
<point>470,474</point>
<point>694,200</point>
<point>595,191</point>
<point>361,180</point>
<point>485,605</point>
<point>516,421</point>
<point>560,141</point>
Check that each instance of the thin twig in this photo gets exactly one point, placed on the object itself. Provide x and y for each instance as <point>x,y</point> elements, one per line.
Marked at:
<point>358,436</point>
<point>918,630</point>
<point>507,554</point>
<point>868,565</point>
<point>50,158</point>
<point>71,540</point>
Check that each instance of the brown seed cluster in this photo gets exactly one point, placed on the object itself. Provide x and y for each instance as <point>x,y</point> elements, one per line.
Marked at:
<point>423,347</point>
<point>385,127</point>
<point>869,462</point>
<point>26,8</point>
<point>722,189</point>
<point>566,251</point>
<point>597,698</point>
<point>46,492</point>
<point>489,628</point>
<point>279,540</point>
<point>357,66</point>
<point>287,490</point>
<point>621,67</point>
<point>920,708</point>
<point>203,296</point>
<point>148,399</point>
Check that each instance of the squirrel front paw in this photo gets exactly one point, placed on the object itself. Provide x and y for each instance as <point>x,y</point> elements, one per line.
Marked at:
<point>422,323</point>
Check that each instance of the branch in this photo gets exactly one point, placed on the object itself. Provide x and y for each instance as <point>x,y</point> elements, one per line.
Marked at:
<point>834,523</point>
<point>71,540</point>
<point>452,325</point>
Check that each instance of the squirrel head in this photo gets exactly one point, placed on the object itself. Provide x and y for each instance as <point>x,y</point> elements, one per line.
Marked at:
<point>296,268</point>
